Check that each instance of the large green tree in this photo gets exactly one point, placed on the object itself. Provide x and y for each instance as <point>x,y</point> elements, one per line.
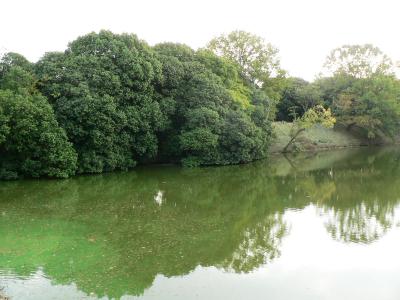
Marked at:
<point>214,118</point>
<point>102,90</point>
<point>32,144</point>
<point>257,60</point>
<point>359,61</point>
<point>12,59</point>
<point>372,104</point>
<point>363,91</point>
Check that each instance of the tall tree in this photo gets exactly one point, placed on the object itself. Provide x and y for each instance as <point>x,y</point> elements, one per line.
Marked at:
<point>214,114</point>
<point>359,61</point>
<point>371,104</point>
<point>32,144</point>
<point>102,90</point>
<point>363,91</point>
<point>12,59</point>
<point>257,59</point>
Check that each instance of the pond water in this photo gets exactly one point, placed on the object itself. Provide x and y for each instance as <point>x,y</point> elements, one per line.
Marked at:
<point>314,226</point>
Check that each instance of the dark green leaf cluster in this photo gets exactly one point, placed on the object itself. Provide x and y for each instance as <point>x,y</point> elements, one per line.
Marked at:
<point>102,91</point>
<point>298,96</point>
<point>362,91</point>
<point>110,101</point>
<point>370,105</point>
<point>214,116</point>
<point>31,141</point>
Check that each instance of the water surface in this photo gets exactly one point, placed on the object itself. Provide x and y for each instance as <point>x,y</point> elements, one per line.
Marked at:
<point>315,226</point>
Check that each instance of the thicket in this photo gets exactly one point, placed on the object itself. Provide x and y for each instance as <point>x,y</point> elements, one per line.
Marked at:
<point>110,101</point>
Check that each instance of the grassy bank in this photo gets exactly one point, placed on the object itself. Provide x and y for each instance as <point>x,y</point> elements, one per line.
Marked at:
<point>318,138</point>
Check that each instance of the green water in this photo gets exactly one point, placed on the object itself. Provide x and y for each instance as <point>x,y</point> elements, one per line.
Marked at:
<point>322,226</point>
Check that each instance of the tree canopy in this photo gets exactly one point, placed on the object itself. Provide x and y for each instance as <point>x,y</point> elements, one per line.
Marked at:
<point>111,101</point>
<point>258,60</point>
<point>298,96</point>
<point>31,141</point>
<point>102,91</point>
<point>360,61</point>
<point>362,90</point>
<point>214,117</point>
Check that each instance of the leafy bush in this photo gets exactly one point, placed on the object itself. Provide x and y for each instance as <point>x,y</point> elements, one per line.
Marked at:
<point>31,142</point>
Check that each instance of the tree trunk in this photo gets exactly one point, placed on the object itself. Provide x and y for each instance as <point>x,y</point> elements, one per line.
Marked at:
<point>292,139</point>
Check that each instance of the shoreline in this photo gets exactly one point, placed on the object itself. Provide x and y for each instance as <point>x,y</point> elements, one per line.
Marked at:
<point>319,138</point>
<point>312,141</point>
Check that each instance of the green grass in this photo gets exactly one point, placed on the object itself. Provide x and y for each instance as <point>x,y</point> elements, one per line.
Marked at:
<point>313,139</point>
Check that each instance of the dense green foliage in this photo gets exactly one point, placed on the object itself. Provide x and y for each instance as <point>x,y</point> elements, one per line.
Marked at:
<point>215,118</point>
<point>110,101</point>
<point>120,102</point>
<point>316,115</point>
<point>31,141</point>
<point>258,61</point>
<point>298,96</point>
<point>359,61</point>
<point>362,90</point>
<point>102,92</point>
<point>371,104</point>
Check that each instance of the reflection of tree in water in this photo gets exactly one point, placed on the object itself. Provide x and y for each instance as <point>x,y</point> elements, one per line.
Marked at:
<point>357,196</point>
<point>358,224</point>
<point>363,207</point>
<point>112,234</point>
<point>109,235</point>
<point>260,245</point>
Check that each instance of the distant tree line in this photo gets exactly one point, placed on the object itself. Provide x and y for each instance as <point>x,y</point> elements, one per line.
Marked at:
<point>358,85</point>
<point>110,101</point>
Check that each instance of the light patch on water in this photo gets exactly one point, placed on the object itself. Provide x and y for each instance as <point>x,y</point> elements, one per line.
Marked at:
<point>159,198</point>
<point>38,287</point>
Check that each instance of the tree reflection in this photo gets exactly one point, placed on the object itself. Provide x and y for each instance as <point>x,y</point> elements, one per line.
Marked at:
<point>362,209</point>
<point>109,235</point>
<point>113,234</point>
<point>260,245</point>
<point>358,224</point>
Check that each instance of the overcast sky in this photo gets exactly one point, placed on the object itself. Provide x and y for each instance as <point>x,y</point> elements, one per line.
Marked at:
<point>304,30</point>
